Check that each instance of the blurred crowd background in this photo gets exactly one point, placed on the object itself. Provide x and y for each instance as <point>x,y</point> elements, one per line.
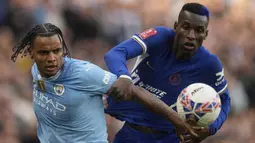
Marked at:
<point>92,27</point>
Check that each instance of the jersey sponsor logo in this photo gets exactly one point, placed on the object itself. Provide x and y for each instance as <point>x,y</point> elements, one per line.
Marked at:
<point>147,33</point>
<point>220,78</point>
<point>155,91</point>
<point>47,103</point>
<point>41,85</point>
<point>59,89</point>
<point>175,79</point>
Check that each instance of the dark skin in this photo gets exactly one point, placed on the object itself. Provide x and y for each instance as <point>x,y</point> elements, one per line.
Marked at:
<point>191,31</point>
<point>202,132</point>
<point>47,53</point>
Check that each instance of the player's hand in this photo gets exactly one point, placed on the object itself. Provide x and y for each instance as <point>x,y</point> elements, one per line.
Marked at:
<point>185,128</point>
<point>121,89</point>
<point>202,132</point>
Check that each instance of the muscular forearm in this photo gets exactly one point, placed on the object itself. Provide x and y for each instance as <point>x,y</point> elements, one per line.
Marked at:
<point>156,105</point>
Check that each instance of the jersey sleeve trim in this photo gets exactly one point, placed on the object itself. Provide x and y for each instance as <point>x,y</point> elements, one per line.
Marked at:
<point>140,42</point>
<point>223,89</point>
<point>126,76</point>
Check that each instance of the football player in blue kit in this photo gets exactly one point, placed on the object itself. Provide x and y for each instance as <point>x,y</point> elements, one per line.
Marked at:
<point>67,92</point>
<point>168,60</point>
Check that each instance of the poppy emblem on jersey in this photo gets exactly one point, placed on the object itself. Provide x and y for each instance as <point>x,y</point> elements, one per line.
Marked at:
<point>59,89</point>
<point>175,79</point>
<point>41,85</point>
<point>147,33</point>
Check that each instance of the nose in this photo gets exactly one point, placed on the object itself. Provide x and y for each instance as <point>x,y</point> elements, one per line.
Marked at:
<point>191,34</point>
<point>51,58</point>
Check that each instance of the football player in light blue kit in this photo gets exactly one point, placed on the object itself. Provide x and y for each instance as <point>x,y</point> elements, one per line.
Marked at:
<point>67,93</point>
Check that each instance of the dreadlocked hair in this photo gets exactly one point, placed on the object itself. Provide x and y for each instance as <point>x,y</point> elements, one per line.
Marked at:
<point>24,45</point>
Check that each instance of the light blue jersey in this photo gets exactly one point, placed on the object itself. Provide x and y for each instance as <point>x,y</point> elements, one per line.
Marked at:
<point>69,106</point>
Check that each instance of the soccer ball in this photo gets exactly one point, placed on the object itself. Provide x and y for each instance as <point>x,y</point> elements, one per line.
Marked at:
<point>200,100</point>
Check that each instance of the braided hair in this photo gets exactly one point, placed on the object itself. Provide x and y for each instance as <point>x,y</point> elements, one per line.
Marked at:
<point>24,45</point>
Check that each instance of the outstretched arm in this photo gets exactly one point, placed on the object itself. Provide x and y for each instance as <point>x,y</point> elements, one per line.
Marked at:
<point>145,42</point>
<point>144,97</point>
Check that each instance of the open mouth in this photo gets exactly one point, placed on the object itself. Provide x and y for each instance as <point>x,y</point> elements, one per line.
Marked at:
<point>51,68</point>
<point>189,46</point>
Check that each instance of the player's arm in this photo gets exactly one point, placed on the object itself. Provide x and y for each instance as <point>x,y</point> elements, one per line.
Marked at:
<point>216,79</point>
<point>225,108</point>
<point>91,78</point>
<point>144,97</point>
<point>139,44</point>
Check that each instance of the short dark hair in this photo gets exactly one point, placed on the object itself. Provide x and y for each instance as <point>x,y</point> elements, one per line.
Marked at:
<point>45,30</point>
<point>197,9</point>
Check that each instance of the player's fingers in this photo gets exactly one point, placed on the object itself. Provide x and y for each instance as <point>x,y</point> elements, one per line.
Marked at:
<point>192,133</point>
<point>179,135</point>
<point>181,138</point>
<point>189,141</point>
<point>187,137</point>
<point>198,128</point>
<point>115,93</point>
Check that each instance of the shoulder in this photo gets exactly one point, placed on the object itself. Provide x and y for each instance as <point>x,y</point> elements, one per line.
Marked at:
<point>34,71</point>
<point>84,70</point>
<point>156,38</point>
<point>157,33</point>
<point>75,67</point>
<point>160,31</point>
<point>210,63</point>
<point>212,72</point>
<point>213,62</point>
<point>165,30</point>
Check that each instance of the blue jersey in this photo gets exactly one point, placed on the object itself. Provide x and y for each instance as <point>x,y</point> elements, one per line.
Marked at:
<point>158,71</point>
<point>68,106</point>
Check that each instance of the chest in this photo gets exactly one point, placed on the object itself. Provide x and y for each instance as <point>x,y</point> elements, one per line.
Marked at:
<point>55,100</point>
<point>165,79</point>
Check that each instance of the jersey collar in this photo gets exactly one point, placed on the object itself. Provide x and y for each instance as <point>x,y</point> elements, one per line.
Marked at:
<point>54,77</point>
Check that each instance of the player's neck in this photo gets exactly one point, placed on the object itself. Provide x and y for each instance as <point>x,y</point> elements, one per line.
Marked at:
<point>54,77</point>
<point>179,55</point>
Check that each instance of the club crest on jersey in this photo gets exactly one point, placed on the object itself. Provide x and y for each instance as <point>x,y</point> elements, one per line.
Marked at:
<point>147,33</point>
<point>41,85</point>
<point>59,89</point>
<point>175,79</point>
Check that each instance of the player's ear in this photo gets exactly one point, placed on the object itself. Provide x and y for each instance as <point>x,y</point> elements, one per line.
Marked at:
<point>206,34</point>
<point>175,25</point>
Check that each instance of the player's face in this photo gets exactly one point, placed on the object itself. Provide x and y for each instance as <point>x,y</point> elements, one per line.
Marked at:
<point>191,31</point>
<point>47,53</point>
